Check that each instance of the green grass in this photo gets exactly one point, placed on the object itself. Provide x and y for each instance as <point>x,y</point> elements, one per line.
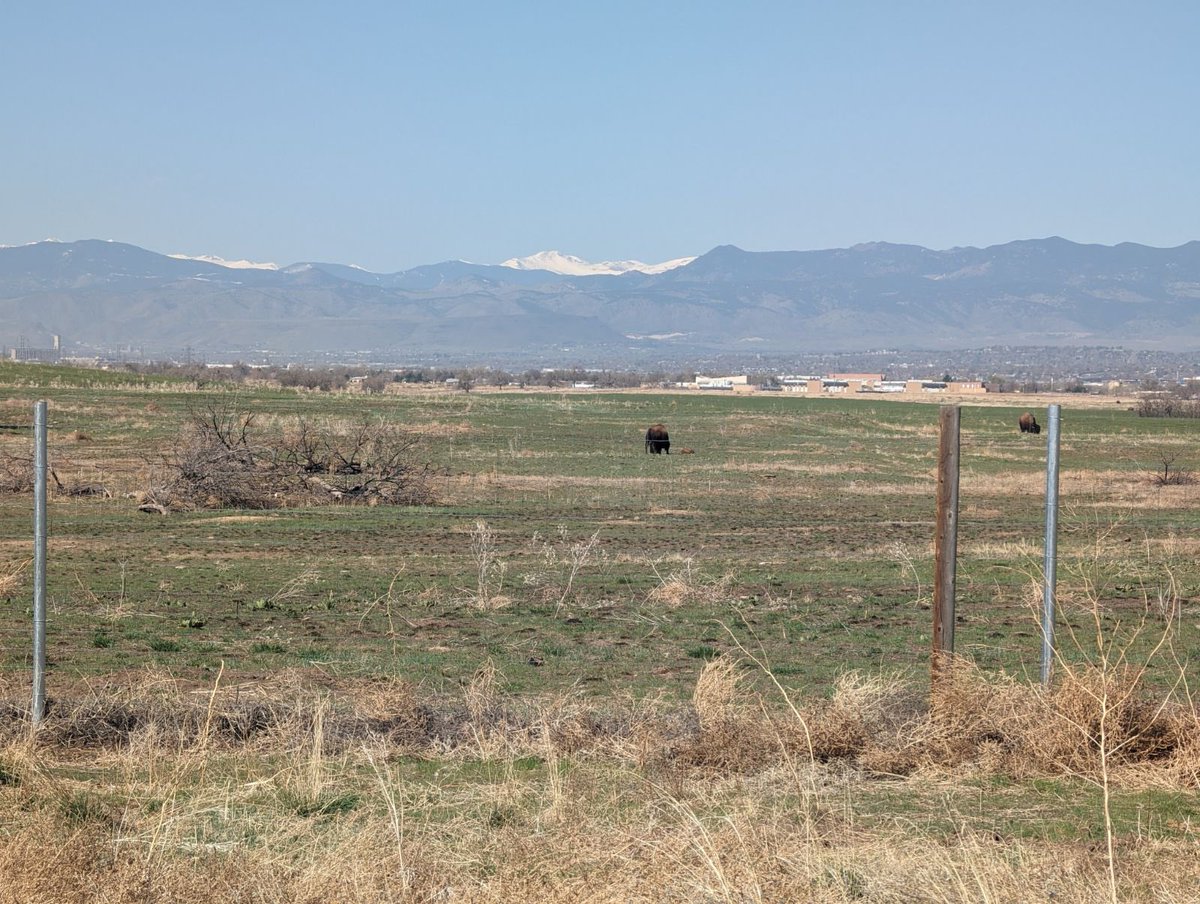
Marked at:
<point>813,518</point>
<point>319,804</point>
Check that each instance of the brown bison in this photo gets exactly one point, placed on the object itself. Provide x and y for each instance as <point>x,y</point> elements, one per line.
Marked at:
<point>1028,423</point>
<point>657,439</point>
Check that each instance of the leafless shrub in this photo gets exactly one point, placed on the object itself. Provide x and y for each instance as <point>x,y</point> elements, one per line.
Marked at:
<point>224,460</point>
<point>730,735</point>
<point>17,476</point>
<point>562,562</point>
<point>866,713</point>
<point>369,461</point>
<point>1168,406</point>
<point>16,473</point>
<point>218,463</point>
<point>1171,476</point>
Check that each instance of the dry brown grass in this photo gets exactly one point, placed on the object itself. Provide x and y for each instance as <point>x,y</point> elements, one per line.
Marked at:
<point>688,585</point>
<point>10,576</point>
<point>992,722</point>
<point>797,467</point>
<point>867,490</point>
<point>143,788</point>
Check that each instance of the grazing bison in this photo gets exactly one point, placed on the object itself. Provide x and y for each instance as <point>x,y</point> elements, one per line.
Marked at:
<point>657,439</point>
<point>1028,423</point>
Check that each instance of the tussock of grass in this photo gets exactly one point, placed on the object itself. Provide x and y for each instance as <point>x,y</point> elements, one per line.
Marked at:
<point>10,577</point>
<point>688,585</point>
<point>302,788</point>
<point>991,723</point>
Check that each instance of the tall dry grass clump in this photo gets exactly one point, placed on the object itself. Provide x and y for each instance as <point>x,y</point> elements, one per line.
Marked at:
<point>10,577</point>
<point>1087,721</point>
<point>314,788</point>
<point>734,731</point>
<point>490,570</point>
<point>688,585</point>
<point>867,718</point>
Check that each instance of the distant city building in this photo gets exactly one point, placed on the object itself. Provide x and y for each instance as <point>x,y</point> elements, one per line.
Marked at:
<point>846,384</point>
<point>865,379</point>
<point>46,355</point>
<point>738,383</point>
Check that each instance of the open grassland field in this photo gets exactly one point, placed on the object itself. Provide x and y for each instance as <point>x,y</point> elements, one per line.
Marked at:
<point>589,673</point>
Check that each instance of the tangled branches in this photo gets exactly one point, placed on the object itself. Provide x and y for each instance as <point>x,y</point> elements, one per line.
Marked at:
<point>224,460</point>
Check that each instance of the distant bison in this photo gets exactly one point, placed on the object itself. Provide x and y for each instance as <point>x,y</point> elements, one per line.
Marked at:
<point>1028,423</point>
<point>657,439</point>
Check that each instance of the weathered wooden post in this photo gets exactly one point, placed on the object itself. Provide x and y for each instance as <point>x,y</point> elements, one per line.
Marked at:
<point>946,545</point>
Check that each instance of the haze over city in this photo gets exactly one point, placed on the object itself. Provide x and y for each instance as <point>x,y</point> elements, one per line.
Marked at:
<point>388,136</point>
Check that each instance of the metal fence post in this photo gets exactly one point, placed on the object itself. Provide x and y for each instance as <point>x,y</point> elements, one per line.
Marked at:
<point>946,544</point>
<point>1050,564</point>
<point>38,709</point>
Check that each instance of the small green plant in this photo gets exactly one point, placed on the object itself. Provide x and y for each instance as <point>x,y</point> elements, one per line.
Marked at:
<point>499,817</point>
<point>848,881</point>
<point>267,647</point>
<point>83,807</point>
<point>163,645</point>
<point>319,804</point>
<point>101,640</point>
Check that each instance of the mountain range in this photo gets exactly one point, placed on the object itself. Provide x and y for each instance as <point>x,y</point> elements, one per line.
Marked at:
<point>103,296</point>
<point>569,265</point>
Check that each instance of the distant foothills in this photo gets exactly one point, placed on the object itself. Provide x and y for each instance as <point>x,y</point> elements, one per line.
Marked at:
<point>835,309</point>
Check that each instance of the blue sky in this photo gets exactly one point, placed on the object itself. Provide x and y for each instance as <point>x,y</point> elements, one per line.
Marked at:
<point>395,134</point>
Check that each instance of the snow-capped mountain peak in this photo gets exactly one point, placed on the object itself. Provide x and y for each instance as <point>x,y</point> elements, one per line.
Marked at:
<point>220,262</point>
<point>569,265</point>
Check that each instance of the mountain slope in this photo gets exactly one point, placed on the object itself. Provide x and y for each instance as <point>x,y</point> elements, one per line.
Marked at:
<point>108,295</point>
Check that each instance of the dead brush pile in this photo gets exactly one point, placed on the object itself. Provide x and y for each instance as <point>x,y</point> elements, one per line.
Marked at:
<point>16,473</point>
<point>223,459</point>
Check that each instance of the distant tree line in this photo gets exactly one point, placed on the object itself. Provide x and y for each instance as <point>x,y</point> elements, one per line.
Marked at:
<point>1177,400</point>
<point>373,380</point>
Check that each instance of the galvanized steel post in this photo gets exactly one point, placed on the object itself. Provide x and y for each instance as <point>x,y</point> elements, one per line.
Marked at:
<point>946,545</point>
<point>39,562</point>
<point>1050,563</point>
